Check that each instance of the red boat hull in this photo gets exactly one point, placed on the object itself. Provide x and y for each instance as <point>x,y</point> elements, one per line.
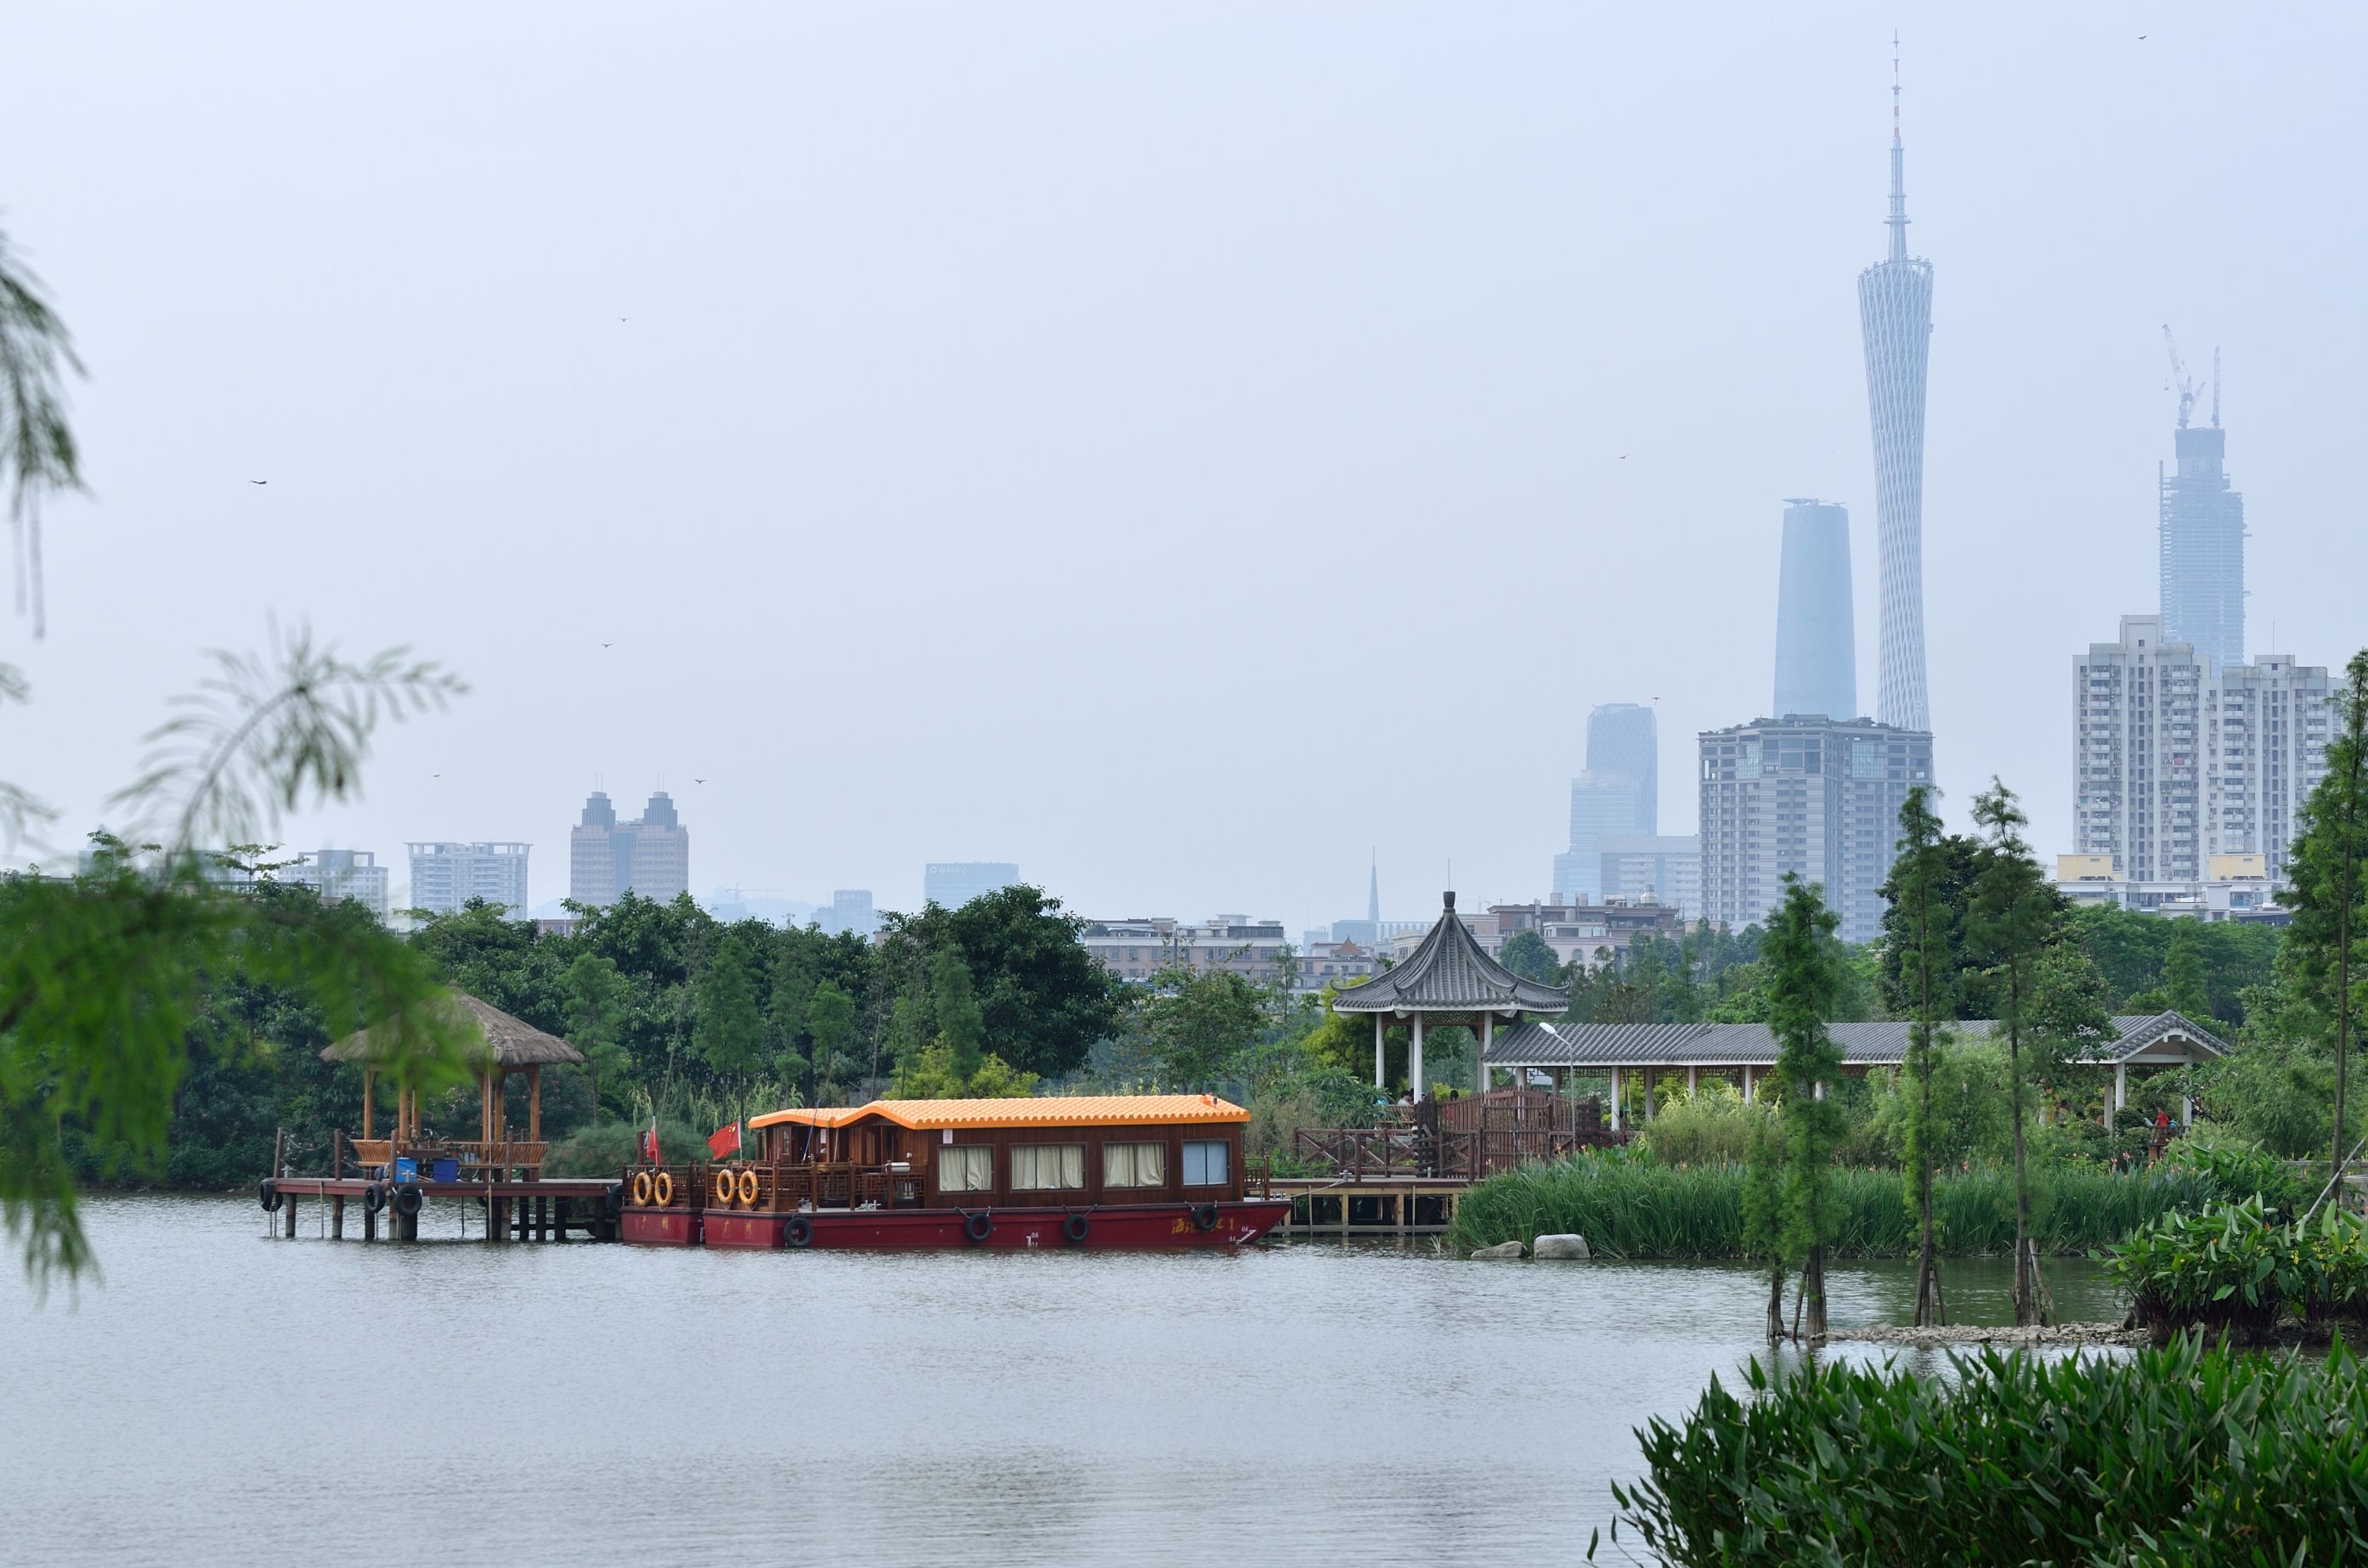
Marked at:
<point>1132,1226</point>
<point>659,1227</point>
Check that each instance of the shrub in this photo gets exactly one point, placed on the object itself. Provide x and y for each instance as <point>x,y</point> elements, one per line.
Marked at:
<point>2180,1455</point>
<point>2230,1271</point>
<point>609,1147</point>
<point>1710,1127</point>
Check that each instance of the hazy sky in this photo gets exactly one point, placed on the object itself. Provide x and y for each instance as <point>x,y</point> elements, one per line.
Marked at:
<point>1174,446</point>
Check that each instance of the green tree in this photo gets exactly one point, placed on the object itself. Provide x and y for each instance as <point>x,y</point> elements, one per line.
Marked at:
<point>961,1028</point>
<point>796,972</point>
<point>1044,999</point>
<point>597,998</point>
<point>729,1033</point>
<point>1949,866</point>
<point>2329,893</point>
<point>1803,982</point>
<point>1527,955</point>
<point>830,1024</point>
<point>1202,1023</point>
<point>2182,973</point>
<point>38,452</point>
<point>1927,873</point>
<point>2014,918</point>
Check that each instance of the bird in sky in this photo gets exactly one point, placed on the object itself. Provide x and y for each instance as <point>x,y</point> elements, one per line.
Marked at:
<point>1623,457</point>
<point>608,644</point>
<point>699,780</point>
<point>258,482</point>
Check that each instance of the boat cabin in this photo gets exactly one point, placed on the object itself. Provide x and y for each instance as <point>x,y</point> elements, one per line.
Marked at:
<point>1024,1153</point>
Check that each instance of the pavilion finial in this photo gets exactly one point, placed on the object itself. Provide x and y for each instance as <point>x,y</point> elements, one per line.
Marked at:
<point>1450,898</point>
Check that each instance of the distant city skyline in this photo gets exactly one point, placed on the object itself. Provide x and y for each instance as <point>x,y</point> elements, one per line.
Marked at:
<point>2201,543</point>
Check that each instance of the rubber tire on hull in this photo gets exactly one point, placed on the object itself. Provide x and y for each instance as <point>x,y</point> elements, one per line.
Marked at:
<point>1204,1217</point>
<point>798,1233</point>
<point>268,1196</point>
<point>978,1226</point>
<point>373,1198</point>
<point>1077,1227</point>
<point>408,1201</point>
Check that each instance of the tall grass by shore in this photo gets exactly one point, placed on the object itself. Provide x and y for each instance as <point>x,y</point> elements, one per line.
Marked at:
<point>1628,1207</point>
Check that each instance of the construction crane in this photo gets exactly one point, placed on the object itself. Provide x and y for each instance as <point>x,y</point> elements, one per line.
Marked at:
<point>2188,389</point>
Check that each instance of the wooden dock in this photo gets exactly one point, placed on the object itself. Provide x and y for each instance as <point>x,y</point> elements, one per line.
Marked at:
<point>521,1211</point>
<point>1373,1206</point>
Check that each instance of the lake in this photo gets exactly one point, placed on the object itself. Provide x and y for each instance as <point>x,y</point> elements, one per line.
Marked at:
<point>224,1397</point>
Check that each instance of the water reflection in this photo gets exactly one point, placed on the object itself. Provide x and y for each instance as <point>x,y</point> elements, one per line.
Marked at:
<point>229,1397</point>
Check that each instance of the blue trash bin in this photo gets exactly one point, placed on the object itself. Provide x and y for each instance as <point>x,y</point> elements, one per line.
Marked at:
<point>446,1169</point>
<point>406,1169</point>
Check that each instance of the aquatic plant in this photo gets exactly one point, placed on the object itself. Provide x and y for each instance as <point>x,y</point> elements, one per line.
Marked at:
<point>2178,1455</point>
<point>2231,1271</point>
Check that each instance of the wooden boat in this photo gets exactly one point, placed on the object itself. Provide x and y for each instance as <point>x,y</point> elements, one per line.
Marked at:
<point>1124,1171</point>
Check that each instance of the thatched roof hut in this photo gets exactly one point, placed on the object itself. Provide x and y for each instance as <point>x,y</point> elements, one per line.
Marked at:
<point>508,1041</point>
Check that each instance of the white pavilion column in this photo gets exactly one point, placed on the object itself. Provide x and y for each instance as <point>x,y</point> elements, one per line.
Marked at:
<point>1747,1083</point>
<point>1615,1100</point>
<point>1689,1082</point>
<point>2186,1113</point>
<point>1379,1025</point>
<point>2121,1087</point>
<point>1488,1034</point>
<point>1414,1058</point>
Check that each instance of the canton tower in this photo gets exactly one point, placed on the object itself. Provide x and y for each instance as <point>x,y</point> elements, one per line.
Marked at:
<point>1894,309</point>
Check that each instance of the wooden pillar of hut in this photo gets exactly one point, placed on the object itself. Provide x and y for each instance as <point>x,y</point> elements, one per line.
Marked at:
<point>370,1223</point>
<point>369,1077</point>
<point>337,1218</point>
<point>534,1102</point>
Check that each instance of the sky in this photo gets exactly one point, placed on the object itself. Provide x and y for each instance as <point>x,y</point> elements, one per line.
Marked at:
<point>1181,449</point>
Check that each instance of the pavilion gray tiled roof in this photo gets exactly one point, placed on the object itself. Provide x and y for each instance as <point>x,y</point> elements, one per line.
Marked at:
<point>1449,973</point>
<point>1735,1045</point>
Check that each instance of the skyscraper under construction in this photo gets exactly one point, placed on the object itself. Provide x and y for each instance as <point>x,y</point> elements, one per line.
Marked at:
<point>1895,307</point>
<point>2203,534</point>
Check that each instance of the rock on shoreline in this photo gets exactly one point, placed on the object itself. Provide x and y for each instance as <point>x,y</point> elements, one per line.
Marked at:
<point>1968,1333</point>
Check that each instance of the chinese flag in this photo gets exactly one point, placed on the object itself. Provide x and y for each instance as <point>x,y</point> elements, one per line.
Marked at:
<point>725,1141</point>
<point>650,1145</point>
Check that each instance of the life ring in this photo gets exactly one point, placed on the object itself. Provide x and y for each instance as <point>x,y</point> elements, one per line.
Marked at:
<point>407,1201</point>
<point>978,1226</point>
<point>1077,1227</point>
<point>641,1189</point>
<point>662,1188</point>
<point>748,1185</point>
<point>267,1194</point>
<point>1204,1216</point>
<point>798,1233</point>
<point>723,1188</point>
<point>373,1198</point>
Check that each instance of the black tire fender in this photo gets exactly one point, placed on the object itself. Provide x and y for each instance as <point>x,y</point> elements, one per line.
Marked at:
<point>407,1201</point>
<point>1076,1227</point>
<point>1204,1216</point>
<point>979,1225</point>
<point>373,1198</point>
<point>798,1233</point>
<point>266,1192</point>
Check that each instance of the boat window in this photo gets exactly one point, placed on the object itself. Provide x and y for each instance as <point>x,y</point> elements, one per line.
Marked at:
<point>1038,1168</point>
<point>1134,1165</point>
<point>1204,1164</point>
<point>966,1168</point>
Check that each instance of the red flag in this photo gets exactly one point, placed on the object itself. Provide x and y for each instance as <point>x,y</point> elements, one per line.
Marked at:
<point>650,1145</point>
<point>725,1141</point>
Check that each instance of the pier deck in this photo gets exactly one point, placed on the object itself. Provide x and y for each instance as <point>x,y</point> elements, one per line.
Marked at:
<point>1374,1206</point>
<point>516,1209</point>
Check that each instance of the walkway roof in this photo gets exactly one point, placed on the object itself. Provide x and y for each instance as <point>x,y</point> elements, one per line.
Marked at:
<point>2149,1037</point>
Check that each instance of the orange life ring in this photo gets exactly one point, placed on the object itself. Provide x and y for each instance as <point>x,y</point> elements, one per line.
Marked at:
<point>723,1188</point>
<point>748,1186</point>
<point>661,1190</point>
<point>641,1189</point>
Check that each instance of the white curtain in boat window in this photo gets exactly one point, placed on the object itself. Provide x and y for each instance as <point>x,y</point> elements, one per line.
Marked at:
<point>1044,1167</point>
<point>1134,1165</point>
<point>1204,1164</point>
<point>966,1168</point>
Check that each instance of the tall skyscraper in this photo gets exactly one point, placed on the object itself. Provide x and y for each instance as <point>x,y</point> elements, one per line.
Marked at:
<point>1894,309</point>
<point>2202,533</point>
<point>2174,765</point>
<point>445,876</point>
<point>1816,652</point>
<point>953,883</point>
<point>1616,795</point>
<point>1817,796</point>
<point>606,859</point>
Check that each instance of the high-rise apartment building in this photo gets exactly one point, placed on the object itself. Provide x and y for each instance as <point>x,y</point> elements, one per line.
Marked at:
<point>849,910</point>
<point>335,874</point>
<point>2174,765</point>
<point>1895,307</point>
<point>1617,794</point>
<point>2203,547</point>
<point>1816,652</point>
<point>949,884</point>
<point>1817,796</point>
<point>606,859</point>
<point>446,876</point>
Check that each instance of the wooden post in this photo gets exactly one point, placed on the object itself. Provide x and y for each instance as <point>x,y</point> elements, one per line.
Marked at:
<point>279,1151</point>
<point>534,1102</point>
<point>337,1218</point>
<point>289,1209</point>
<point>369,1224</point>
<point>369,1077</point>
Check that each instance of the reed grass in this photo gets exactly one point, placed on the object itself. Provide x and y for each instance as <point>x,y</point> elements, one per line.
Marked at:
<point>1632,1209</point>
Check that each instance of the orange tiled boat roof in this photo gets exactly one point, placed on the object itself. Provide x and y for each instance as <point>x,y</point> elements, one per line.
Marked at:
<point>1082,1110</point>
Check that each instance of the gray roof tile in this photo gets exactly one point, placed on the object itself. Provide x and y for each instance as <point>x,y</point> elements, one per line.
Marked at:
<point>1449,973</point>
<point>1737,1045</point>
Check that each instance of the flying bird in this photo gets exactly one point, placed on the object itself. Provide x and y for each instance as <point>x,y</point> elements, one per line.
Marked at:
<point>608,644</point>
<point>699,780</point>
<point>258,482</point>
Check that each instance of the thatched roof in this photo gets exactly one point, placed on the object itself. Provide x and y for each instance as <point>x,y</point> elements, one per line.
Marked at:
<point>513,1042</point>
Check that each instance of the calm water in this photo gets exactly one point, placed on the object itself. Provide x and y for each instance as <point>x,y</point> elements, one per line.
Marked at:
<point>226,1398</point>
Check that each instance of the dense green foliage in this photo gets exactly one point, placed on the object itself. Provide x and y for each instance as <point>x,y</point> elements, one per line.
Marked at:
<point>2178,1456</point>
<point>2232,1269</point>
<point>1626,1205</point>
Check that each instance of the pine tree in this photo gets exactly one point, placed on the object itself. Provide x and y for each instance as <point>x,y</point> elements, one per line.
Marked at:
<point>2329,886</point>
<point>2183,990</point>
<point>1803,982</point>
<point>1925,970</point>
<point>2015,915</point>
<point>830,1024</point>
<point>728,1032</point>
